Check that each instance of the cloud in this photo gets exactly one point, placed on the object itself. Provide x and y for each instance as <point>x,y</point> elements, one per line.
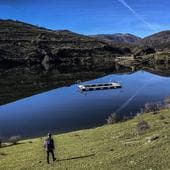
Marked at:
<point>150,26</point>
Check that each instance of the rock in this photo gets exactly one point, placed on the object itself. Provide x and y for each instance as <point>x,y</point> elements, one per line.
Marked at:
<point>132,162</point>
<point>45,62</point>
<point>152,138</point>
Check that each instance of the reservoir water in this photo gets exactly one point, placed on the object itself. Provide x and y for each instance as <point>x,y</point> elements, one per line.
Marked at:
<point>66,109</point>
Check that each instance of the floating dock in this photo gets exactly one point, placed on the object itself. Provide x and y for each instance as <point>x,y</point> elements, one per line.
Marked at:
<point>99,86</point>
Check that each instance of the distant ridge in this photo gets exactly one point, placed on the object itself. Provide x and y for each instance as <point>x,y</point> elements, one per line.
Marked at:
<point>159,41</point>
<point>117,38</point>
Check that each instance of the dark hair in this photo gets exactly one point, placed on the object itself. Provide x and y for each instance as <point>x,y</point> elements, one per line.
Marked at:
<point>49,134</point>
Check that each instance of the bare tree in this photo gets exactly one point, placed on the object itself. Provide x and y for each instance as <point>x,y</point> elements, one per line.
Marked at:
<point>152,107</point>
<point>167,102</point>
<point>142,126</point>
<point>14,139</point>
<point>113,118</point>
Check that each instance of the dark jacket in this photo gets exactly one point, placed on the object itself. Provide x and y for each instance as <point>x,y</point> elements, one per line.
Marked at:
<point>49,144</point>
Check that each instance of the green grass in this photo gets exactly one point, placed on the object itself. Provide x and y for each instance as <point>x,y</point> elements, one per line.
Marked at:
<point>114,147</point>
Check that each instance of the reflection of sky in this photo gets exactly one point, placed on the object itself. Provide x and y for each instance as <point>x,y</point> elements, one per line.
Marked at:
<point>66,108</point>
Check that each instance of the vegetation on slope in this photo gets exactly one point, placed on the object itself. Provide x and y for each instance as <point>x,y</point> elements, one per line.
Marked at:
<point>25,44</point>
<point>22,43</point>
<point>159,41</point>
<point>117,38</point>
<point>118,147</point>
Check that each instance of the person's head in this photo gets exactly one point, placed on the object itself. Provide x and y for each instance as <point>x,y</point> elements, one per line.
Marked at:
<point>49,135</point>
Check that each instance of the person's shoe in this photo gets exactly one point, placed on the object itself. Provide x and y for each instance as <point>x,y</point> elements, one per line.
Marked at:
<point>54,159</point>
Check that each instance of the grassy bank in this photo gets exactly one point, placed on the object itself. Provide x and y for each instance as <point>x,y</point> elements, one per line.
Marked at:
<point>116,147</point>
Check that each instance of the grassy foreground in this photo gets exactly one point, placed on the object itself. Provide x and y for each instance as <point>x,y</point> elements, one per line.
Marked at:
<point>110,147</point>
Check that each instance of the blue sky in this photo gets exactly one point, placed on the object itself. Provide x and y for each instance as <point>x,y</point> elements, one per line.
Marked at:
<point>140,17</point>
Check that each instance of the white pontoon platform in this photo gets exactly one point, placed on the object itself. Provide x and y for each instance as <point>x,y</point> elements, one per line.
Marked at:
<point>99,86</point>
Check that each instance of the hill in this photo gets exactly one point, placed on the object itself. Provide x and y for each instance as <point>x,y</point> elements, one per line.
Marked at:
<point>22,43</point>
<point>117,38</point>
<point>111,147</point>
<point>159,41</point>
<point>26,44</point>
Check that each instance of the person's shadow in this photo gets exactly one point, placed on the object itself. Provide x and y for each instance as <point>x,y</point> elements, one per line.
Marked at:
<point>78,157</point>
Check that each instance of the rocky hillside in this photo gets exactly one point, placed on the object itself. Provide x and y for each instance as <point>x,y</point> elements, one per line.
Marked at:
<point>159,41</point>
<point>117,38</point>
<point>153,43</point>
<point>25,43</point>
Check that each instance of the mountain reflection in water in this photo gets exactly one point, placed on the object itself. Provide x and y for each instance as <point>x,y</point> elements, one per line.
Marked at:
<point>66,108</point>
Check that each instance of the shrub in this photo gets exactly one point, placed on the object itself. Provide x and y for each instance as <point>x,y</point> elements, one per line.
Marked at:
<point>142,126</point>
<point>161,117</point>
<point>152,107</point>
<point>113,118</point>
<point>14,139</point>
<point>167,102</point>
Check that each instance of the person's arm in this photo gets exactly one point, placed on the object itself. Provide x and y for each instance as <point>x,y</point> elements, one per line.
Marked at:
<point>45,144</point>
<point>53,144</point>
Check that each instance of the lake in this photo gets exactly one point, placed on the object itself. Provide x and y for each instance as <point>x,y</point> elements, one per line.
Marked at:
<point>66,109</point>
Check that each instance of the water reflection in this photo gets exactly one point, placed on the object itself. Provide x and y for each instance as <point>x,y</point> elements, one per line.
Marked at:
<point>66,109</point>
<point>20,82</point>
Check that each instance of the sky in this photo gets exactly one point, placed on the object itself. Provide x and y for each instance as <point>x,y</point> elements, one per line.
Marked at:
<point>139,17</point>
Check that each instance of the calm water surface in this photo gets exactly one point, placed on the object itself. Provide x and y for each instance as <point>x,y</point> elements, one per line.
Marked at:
<point>67,109</point>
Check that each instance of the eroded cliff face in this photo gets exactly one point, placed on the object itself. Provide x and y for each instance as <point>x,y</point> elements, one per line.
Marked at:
<point>22,43</point>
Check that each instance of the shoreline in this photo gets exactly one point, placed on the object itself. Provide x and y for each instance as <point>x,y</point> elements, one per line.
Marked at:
<point>115,146</point>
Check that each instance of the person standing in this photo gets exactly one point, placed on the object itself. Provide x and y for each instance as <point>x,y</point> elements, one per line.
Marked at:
<point>49,147</point>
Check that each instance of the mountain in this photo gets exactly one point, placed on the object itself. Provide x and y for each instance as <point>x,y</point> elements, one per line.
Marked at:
<point>158,41</point>
<point>26,44</point>
<point>23,43</point>
<point>117,38</point>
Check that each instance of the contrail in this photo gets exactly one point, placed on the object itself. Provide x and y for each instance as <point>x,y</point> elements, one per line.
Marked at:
<point>130,99</point>
<point>124,3</point>
<point>133,96</point>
